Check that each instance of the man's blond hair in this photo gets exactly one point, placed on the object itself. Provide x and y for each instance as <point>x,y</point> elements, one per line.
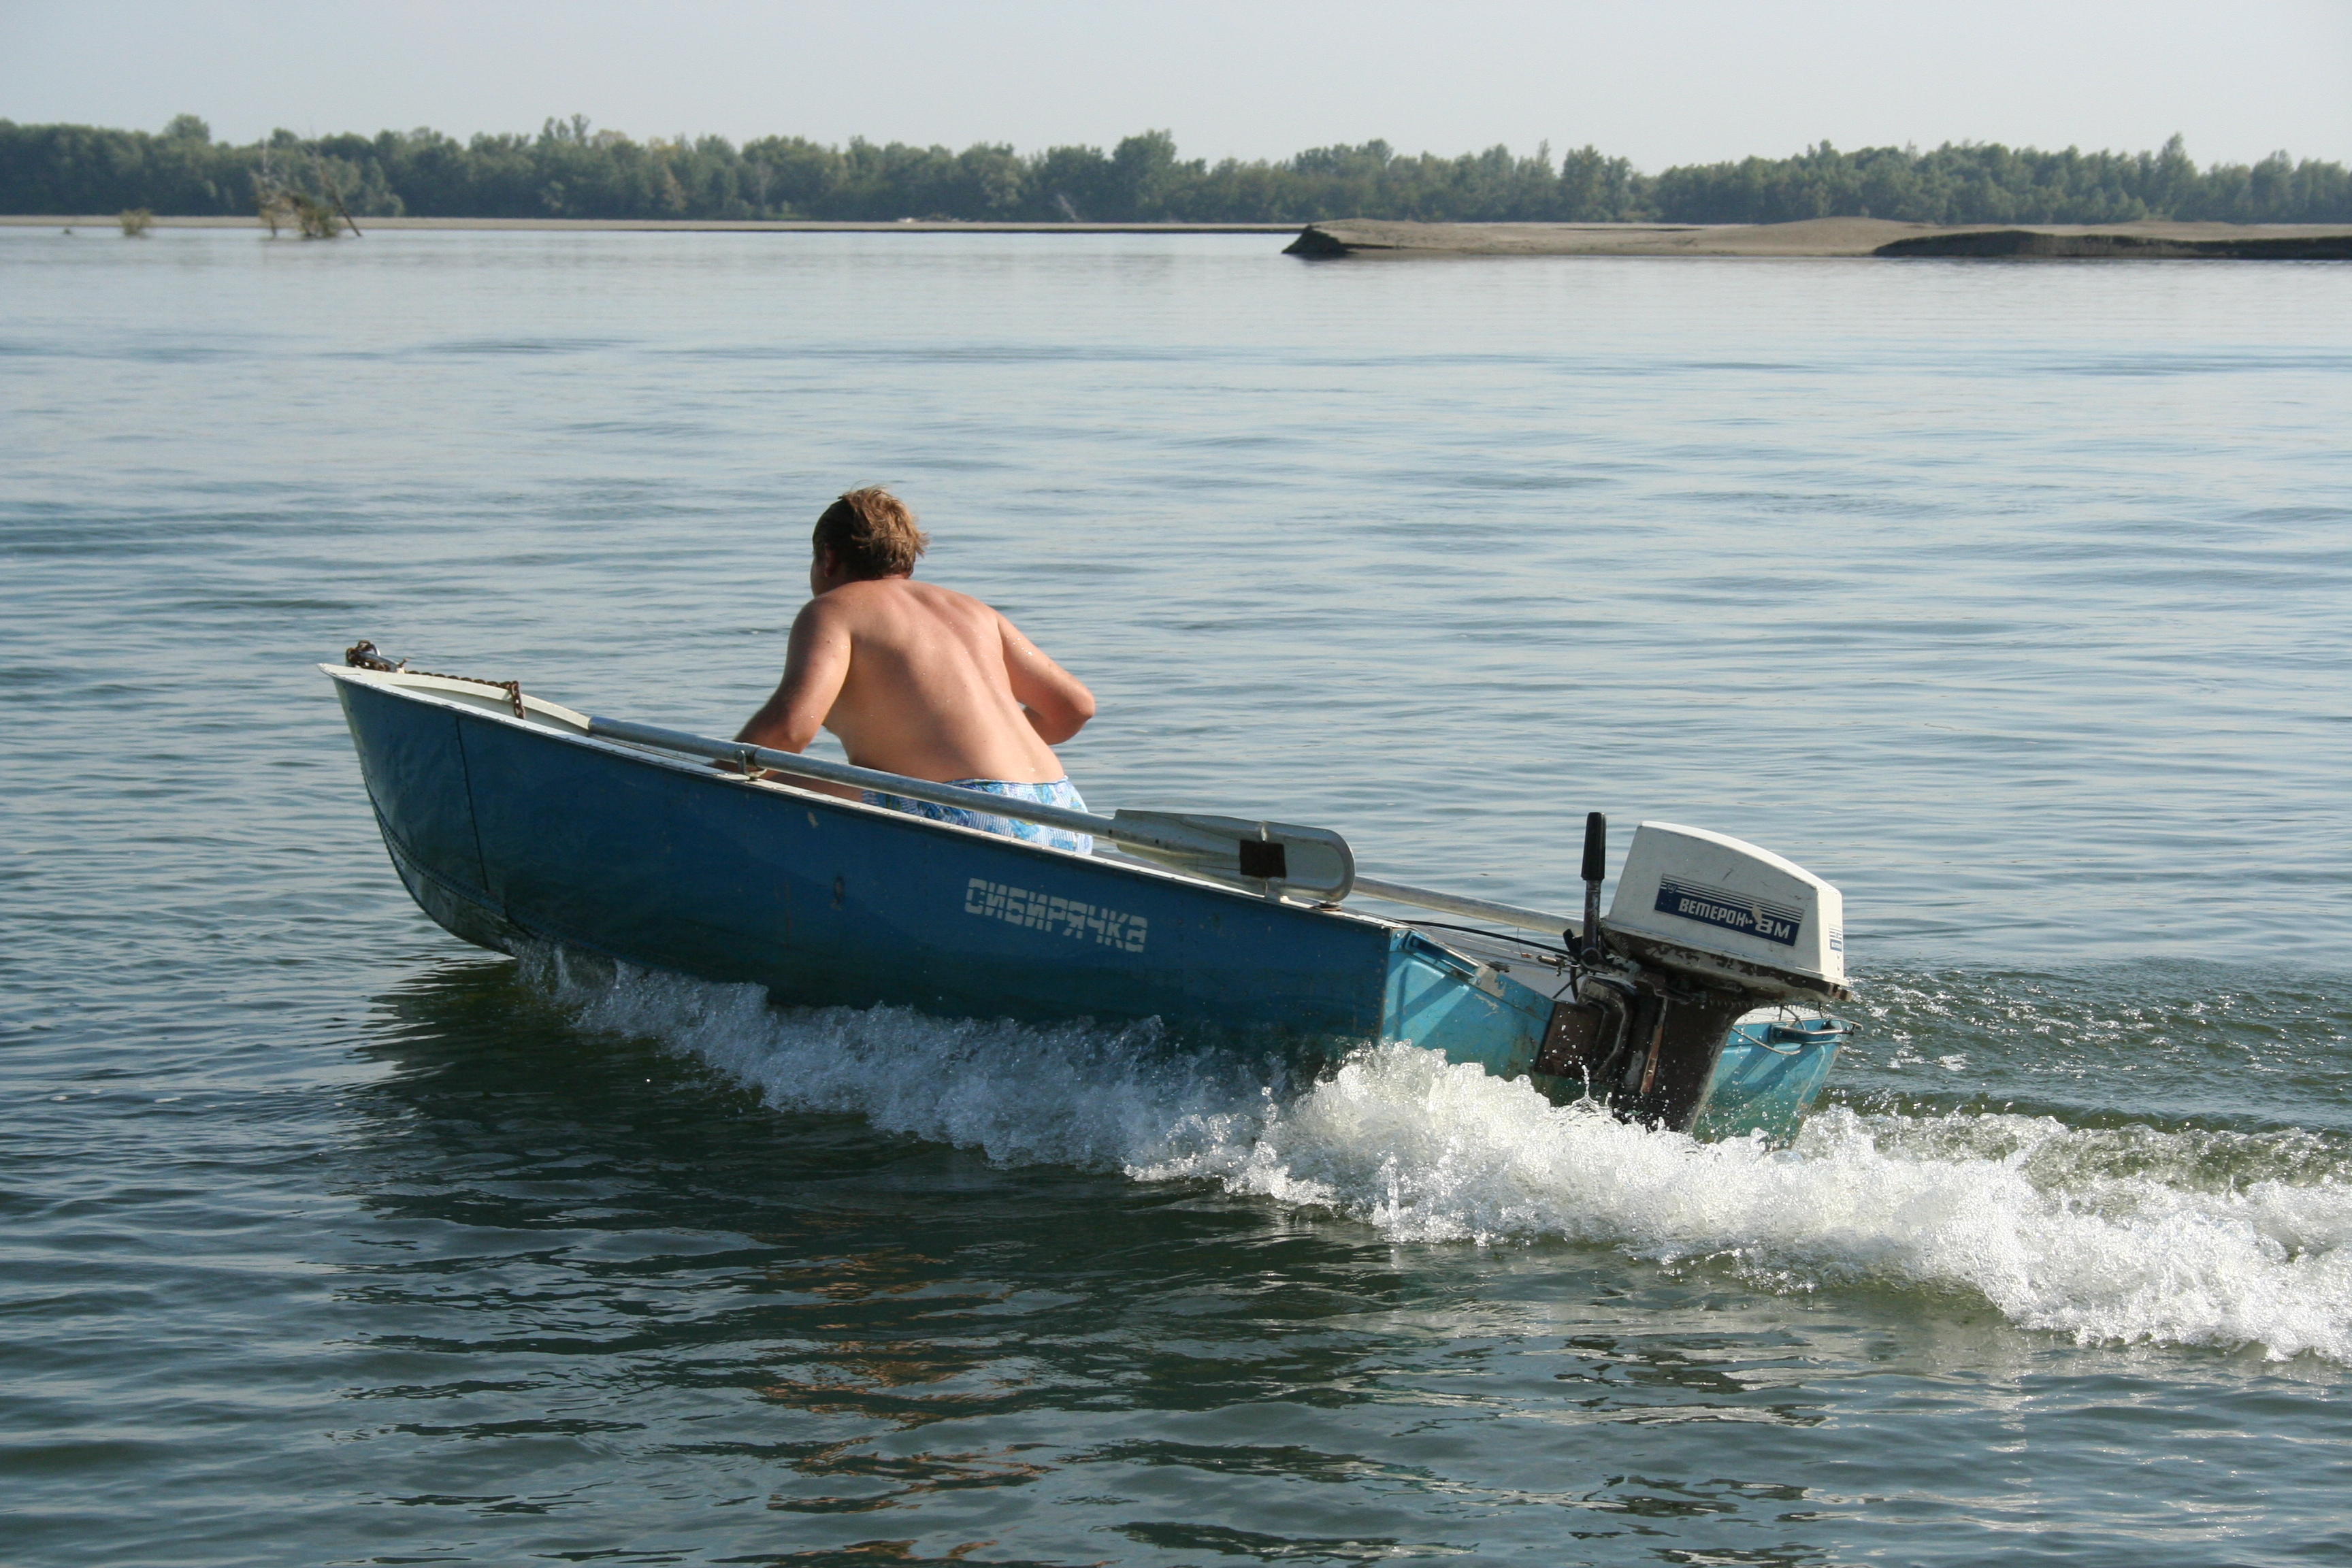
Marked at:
<point>872,533</point>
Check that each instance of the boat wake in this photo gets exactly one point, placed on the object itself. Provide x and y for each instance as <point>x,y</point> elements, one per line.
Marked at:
<point>2118,1236</point>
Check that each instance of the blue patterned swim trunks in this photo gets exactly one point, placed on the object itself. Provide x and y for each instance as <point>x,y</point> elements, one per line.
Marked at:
<point>1061,792</point>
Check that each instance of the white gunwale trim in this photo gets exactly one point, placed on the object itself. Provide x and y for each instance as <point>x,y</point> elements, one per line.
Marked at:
<point>490,702</point>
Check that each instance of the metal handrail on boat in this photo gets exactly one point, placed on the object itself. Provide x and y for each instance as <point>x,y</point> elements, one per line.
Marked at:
<point>793,764</point>
<point>1515,915</point>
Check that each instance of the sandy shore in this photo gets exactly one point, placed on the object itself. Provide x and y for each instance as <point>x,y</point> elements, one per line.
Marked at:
<point>1371,238</point>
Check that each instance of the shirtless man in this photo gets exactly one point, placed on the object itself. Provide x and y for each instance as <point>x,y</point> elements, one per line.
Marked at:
<point>919,679</point>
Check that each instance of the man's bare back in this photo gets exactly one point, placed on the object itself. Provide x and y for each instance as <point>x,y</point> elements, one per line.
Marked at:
<point>919,679</point>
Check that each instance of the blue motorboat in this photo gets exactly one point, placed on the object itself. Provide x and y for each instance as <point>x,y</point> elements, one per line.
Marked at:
<point>515,822</point>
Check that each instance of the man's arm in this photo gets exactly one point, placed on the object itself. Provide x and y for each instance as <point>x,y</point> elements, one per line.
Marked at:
<point>816,662</point>
<point>1056,705</point>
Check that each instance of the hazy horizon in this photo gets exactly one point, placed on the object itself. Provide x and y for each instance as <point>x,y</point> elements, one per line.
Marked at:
<point>1676,83</point>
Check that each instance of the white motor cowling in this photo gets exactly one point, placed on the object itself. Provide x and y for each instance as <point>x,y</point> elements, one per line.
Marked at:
<point>1714,905</point>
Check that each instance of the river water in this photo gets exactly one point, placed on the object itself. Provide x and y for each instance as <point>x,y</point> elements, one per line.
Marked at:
<point>2011,598</point>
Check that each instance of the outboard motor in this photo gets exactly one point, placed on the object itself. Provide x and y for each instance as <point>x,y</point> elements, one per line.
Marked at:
<point>1703,928</point>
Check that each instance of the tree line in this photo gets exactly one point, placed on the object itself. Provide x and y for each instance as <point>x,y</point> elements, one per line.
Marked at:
<point>570,170</point>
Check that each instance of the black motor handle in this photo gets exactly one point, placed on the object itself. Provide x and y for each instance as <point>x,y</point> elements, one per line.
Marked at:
<point>1596,867</point>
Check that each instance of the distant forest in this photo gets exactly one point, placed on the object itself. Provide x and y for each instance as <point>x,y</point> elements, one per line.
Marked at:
<point>570,170</point>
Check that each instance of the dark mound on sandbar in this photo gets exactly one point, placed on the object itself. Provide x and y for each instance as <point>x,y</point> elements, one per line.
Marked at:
<point>2025,244</point>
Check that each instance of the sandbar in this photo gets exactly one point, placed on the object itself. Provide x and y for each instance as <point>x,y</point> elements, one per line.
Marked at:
<point>1381,238</point>
<point>1373,239</point>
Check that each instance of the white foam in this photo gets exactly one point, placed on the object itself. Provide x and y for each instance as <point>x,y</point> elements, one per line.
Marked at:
<point>1023,1095</point>
<point>2115,1237</point>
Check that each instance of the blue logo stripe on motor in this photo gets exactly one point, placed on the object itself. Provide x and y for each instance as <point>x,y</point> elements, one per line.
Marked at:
<point>1713,906</point>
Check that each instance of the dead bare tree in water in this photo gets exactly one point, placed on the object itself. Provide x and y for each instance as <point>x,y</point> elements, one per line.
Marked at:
<point>312,205</point>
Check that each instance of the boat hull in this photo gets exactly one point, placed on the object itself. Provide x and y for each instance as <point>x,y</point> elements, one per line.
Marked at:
<point>516,832</point>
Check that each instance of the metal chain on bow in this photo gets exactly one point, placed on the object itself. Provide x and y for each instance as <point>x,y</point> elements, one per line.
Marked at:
<point>365,654</point>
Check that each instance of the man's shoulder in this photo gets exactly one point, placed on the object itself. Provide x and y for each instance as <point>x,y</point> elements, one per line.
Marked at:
<point>880,596</point>
<point>939,598</point>
<point>946,596</point>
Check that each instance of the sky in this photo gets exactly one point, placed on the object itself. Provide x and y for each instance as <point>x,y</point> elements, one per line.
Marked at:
<point>1658,81</point>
